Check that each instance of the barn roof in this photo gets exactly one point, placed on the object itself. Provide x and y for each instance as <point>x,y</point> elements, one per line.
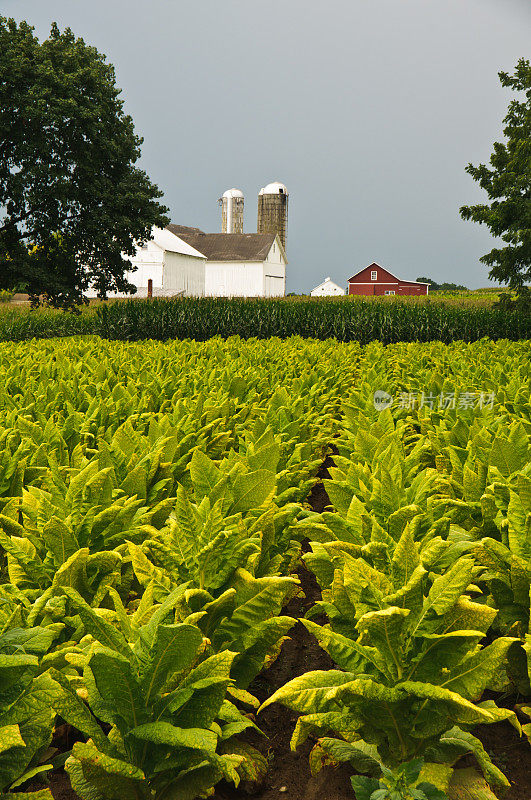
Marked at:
<point>178,229</point>
<point>231,246</point>
<point>399,280</point>
<point>168,240</point>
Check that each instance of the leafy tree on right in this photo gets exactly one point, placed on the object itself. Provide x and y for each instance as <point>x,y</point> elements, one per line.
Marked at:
<point>507,182</point>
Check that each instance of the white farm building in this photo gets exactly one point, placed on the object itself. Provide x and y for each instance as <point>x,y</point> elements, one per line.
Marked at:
<point>183,261</point>
<point>240,264</point>
<point>187,262</point>
<point>172,266</point>
<point>327,289</point>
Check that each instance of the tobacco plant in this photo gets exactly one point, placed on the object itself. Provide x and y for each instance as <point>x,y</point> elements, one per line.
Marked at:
<point>411,668</point>
<point>166,702</point>
<point>28,698</point>
<point>402,783</point>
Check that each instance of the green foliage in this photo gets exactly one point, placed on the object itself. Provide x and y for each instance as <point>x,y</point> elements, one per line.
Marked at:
<point>73,200</point>
<point>507,182</point>
<point>28,698</point>
<point>426,538</point>
<point>171,722</point>
<point>147,510</point>
<point>399,784</point>
<point>152,503</point>
<point>411,666</point>
<point>443,287</point>
<point>345,319</point>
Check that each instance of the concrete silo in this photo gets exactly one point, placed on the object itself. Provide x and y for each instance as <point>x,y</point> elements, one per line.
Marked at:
<point>232,211</point>
<point>273,210</point>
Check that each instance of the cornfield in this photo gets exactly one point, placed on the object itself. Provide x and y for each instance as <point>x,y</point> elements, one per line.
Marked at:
<point>343,319</point>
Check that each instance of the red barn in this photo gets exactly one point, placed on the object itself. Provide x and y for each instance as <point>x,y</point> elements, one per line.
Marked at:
<point>375,280</point>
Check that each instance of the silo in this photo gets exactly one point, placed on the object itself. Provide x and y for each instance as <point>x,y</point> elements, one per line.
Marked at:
<point>273,210</point>
<point>232,211</point>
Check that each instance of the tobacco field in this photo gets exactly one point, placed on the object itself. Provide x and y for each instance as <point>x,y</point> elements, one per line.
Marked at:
<point>155,521</point>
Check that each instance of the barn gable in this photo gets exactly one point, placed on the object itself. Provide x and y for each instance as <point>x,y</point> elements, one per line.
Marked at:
<point>382,275</point>
<point>377,280</point>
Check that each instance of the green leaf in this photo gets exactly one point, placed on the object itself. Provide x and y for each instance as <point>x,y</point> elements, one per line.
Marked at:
<point>447,589</point>
<point>112,778</point>
<point>384,630</point>
<point>254,766</point>
<point>118,687</point>
<point>10,737</point>
<point>467,784</point>
<point>405,558</point>
<point>74,711</point>
<point>194,782</point>
<point>468,743</point>
<point>471,677</point>
<point>312,692</point>
<point>346,653</point>
<point>462,709</point>
<point>59,540</point>
<point>506,456</point>
<point>96,625</point>
<point>30,773</point>
<point>364,787</point>
<point>163,733</point>
<point>172,650</point>
<point>251,490</point>
<point>204,473</point>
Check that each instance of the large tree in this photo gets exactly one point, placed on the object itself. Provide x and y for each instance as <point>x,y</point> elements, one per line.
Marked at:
<point>508,185</point>
<point>72,201</point>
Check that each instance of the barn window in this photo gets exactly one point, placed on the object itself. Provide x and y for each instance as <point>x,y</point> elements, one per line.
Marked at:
<point>374,275</point>
<point>389,291</point>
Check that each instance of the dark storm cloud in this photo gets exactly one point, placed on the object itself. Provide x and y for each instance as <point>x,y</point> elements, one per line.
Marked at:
<point>368,110</point>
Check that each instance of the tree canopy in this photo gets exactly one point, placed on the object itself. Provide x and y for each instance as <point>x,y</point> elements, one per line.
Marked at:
<point>507,182</point>
<point>442,287</point>
<point>72,201</point>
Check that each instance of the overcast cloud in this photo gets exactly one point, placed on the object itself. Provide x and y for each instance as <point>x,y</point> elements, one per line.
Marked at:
<point>368,110</point>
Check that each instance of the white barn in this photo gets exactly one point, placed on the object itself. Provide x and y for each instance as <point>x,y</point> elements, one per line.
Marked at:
<point>170,263</point>
<point>327,289</point>
<point>173,266</point>
<point>240,264</point>
<point>188,262</point>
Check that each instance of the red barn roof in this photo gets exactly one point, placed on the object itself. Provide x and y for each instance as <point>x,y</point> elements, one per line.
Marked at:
<point>376,280</point>
<point>386,275</point>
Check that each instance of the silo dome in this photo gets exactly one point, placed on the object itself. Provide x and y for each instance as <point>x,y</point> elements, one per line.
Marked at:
<point>273,210</point>
<point>232,202</point>
<point>274,188</point>
<point>233,193</point>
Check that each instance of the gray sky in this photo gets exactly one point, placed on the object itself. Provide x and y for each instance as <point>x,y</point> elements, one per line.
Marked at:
<point>368,110</point>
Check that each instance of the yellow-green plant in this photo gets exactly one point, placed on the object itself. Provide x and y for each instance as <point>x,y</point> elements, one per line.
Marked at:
<point>412,668</point>
<point>167,702</point>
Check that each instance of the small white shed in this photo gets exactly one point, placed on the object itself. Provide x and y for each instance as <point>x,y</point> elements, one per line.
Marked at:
<point>327,289</point>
